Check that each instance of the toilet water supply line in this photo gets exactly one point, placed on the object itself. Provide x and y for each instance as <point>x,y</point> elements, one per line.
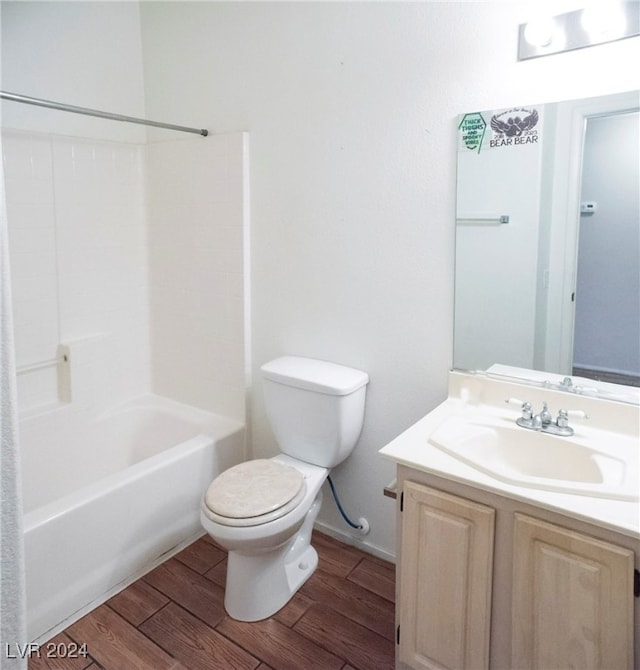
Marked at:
<point>362,526</point>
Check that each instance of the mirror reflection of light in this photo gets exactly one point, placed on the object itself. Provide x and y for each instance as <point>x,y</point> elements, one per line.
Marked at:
<point>604,20</point>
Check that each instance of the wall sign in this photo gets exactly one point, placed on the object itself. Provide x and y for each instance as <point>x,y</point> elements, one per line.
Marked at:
<point>515,126</point>
<point>472,129</point>
<point>506,128</point>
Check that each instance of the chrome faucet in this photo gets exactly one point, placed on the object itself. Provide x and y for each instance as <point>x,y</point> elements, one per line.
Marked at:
<point>543,421</point>
<point>567,385</point>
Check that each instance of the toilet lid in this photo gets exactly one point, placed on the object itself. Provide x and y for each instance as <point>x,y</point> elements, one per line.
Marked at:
<point>258,488</point>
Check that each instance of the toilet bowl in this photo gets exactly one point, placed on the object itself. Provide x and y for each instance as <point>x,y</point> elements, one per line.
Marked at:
<point>263,511</point>
<point>270,555</point>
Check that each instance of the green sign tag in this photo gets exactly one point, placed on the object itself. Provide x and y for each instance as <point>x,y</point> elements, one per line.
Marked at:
<point>472,127</point>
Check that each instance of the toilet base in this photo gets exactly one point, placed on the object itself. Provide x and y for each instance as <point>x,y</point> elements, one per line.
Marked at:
<point>258,585</point>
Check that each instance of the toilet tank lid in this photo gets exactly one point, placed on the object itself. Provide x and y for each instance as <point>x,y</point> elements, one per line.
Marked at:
<point>314,375</point>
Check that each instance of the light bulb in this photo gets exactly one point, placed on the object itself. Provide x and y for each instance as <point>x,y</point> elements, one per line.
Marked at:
<point>539,31</point>
<point>603,20</point>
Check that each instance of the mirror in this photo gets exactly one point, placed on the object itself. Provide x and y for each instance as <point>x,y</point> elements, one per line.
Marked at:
<point>547,280</point>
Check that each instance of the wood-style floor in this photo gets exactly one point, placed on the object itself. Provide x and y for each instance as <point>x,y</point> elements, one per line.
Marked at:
<point>173,618</point>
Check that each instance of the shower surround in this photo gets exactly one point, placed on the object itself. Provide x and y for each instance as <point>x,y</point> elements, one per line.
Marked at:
<point>142,245</point>
<point>128,273</point>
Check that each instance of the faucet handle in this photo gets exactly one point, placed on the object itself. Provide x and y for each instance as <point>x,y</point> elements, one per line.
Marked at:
<point>564,414</point>
<point>566,383</point>
<point>527,412</point>
<point>577,413</point>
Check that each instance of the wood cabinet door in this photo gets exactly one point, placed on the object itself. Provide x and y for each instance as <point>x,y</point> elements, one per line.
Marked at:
<point>445,589</point>
<point>572,600</point>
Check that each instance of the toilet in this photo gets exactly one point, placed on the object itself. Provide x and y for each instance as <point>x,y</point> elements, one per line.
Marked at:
<point>262,511</point>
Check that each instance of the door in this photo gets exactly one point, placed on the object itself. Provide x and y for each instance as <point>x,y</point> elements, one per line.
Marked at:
<point>445,591</point>
<point>572,600</point>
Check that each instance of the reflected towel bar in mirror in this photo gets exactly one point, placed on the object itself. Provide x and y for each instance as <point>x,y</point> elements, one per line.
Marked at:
<point>498,218</point>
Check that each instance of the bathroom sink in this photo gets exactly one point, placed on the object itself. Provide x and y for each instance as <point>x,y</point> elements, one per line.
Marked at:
<point>590,463</point>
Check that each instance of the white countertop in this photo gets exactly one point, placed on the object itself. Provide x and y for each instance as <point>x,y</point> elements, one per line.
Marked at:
<point>413,449</point>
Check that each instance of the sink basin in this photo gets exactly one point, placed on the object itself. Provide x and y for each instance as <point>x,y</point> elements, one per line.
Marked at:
<point>592,463</point>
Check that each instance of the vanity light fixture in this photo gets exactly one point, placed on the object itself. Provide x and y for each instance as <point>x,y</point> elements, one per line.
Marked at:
<point>598,23</point>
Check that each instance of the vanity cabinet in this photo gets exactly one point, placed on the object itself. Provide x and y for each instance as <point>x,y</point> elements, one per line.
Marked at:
<point>445,589</point>
<point>572,599</point>
<point>485,581</point>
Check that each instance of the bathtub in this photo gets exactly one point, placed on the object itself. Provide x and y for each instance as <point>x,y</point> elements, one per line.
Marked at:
<point>107,500</point>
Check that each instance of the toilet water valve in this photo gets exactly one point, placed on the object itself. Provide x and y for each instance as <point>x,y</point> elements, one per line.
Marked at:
<point>363,526</point>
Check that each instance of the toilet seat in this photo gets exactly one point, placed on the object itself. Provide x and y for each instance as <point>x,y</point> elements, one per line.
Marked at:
<point>254,493</point>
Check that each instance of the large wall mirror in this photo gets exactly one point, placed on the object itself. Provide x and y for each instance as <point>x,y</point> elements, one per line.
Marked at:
<point>548,243</point>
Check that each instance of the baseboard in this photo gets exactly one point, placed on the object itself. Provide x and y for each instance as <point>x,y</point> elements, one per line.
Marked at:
<point>357,542</point>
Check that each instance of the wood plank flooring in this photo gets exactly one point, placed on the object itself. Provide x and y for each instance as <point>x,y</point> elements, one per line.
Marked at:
<point>174,619</point>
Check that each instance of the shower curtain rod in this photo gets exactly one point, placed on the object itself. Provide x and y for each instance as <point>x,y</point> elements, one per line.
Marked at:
<point>95,112</point>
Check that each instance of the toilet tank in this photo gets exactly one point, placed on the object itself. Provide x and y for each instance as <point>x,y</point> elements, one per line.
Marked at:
<point>315,408</point>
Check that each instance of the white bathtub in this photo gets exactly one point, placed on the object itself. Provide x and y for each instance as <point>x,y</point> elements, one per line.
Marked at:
<point>108,501</point>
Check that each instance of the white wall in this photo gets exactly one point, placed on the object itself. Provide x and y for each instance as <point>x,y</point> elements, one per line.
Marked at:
<point>80,53</point>
<point>351,109</point>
